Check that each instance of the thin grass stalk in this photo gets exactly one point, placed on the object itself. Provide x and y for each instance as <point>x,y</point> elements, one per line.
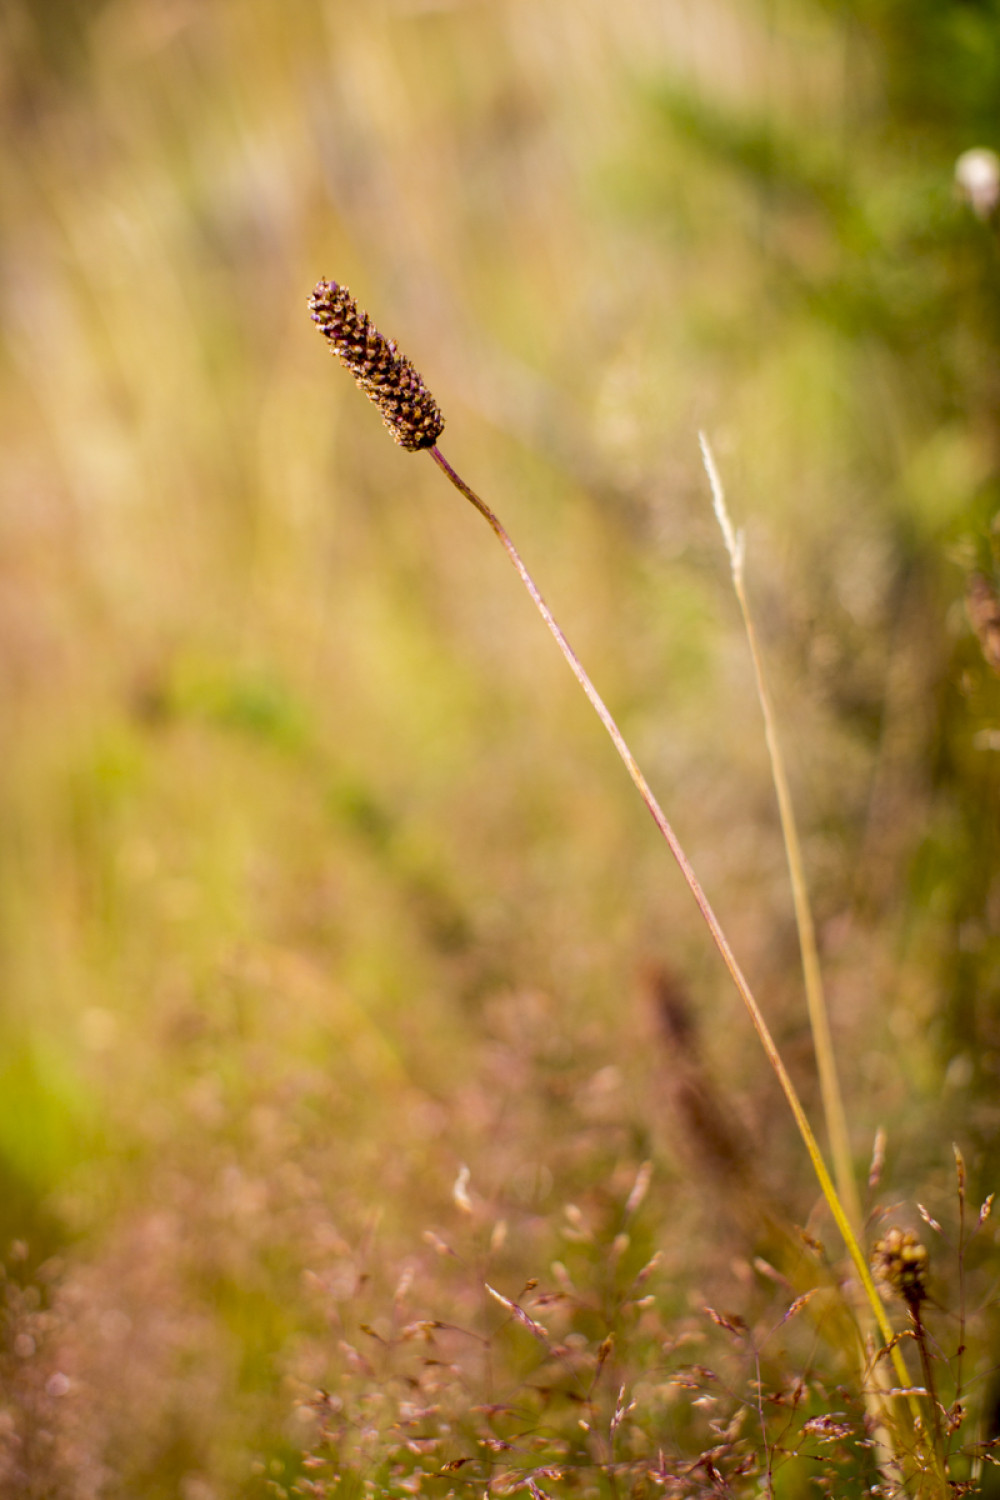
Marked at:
<point>691,879</point>
<point>714,926</point>
<point>819,1016</point>
<point>415,421</point>
<point>819,1022</point>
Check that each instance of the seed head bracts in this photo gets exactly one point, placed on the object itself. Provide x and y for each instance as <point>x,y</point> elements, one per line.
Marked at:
<point>387,377</point>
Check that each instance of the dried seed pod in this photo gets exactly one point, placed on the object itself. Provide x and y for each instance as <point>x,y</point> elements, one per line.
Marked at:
<point>901,1262</point>
<point>387,377</point>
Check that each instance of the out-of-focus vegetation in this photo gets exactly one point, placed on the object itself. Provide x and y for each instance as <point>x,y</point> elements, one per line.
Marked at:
<point>317,880</point>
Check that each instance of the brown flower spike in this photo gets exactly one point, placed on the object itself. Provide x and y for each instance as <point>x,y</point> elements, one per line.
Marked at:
<point>901,1262</point>
<point>407,407</point>
<point>415,421</point>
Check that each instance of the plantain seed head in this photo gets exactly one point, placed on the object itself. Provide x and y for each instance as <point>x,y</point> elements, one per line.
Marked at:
<point>387,377</point>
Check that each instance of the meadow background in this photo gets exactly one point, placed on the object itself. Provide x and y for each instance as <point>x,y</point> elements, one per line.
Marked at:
<point>318,880</point>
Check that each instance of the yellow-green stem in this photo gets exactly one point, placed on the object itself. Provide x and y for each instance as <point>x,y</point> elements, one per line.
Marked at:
<point>833,1105</point>
<point>819,1019</point>
<point>719,938</point>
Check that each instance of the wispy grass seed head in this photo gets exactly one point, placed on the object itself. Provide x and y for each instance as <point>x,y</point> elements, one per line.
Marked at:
<point>387,377</point>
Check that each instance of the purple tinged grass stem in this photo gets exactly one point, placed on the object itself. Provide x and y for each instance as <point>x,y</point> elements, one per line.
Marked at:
<point>711,920</point>
<point>658,815</point>
<point>415,421</point>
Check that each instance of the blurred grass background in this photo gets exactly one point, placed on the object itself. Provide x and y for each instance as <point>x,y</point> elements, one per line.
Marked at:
<point>316,877</point>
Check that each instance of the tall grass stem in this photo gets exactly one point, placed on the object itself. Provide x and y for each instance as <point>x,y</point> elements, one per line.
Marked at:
<point>819,1016</point>
<point>932,1468</point>
<point>819,1020</point>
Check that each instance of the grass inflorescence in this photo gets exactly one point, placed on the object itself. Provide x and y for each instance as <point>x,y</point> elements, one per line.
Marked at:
<point>902,1420</point>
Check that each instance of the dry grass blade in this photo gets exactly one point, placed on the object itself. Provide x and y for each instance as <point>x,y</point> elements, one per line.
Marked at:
<point>819,1017</point>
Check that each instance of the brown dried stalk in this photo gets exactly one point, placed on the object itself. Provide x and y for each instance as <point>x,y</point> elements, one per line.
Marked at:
<point>414,419</point>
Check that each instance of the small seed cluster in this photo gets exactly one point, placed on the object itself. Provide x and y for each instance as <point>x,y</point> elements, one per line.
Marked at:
<point>901,1261</point>
<point>387,377</point>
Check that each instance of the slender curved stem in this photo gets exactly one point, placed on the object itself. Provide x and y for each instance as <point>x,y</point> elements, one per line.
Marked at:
<point>819,1020</point>
<point>718,937</point>
<point>819,1016</point>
